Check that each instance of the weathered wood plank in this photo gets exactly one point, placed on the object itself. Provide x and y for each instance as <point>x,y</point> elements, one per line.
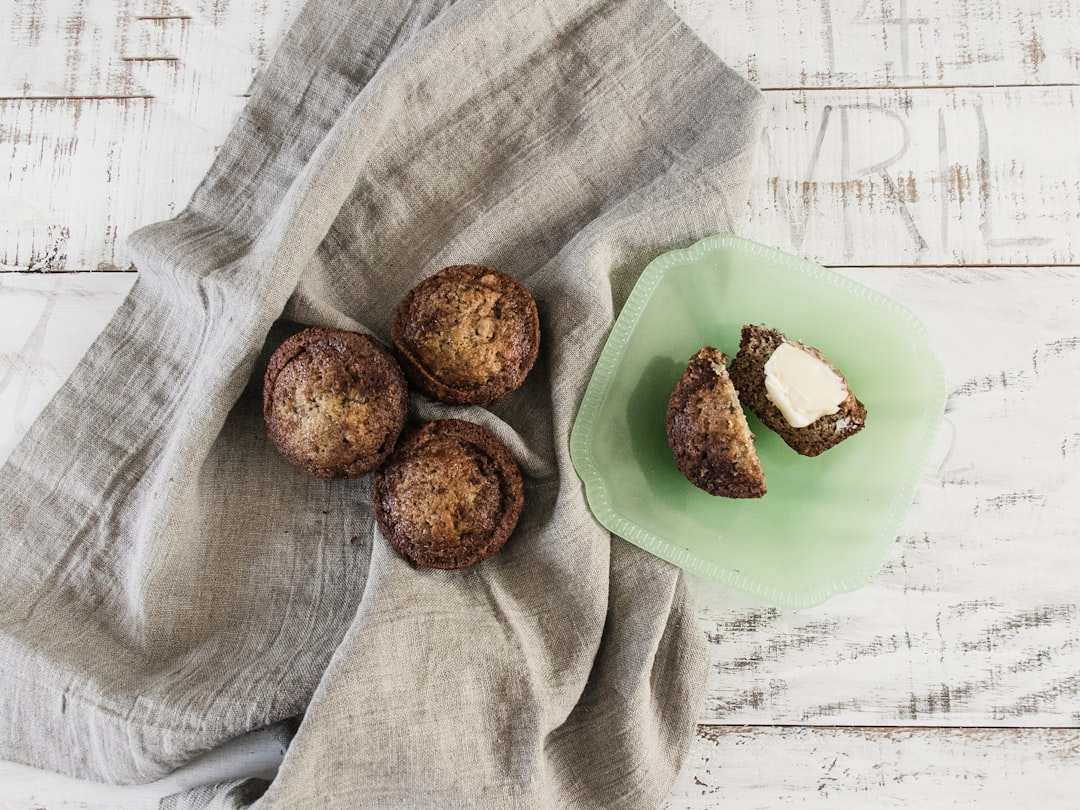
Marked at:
<point>891,43</point>
<point>847,177</point>
<point>776,43</point>
<point>975,617</point>
<point>856,768</point>
<point>177,51</point>
<point>950,176</point>
<point>84,173</point>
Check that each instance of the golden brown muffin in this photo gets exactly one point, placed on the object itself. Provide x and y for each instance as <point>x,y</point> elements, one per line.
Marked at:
<point>708,433</point>
<point>449,496</point>
<point>756,346</point>
<point>334,402</point>
<point>467,335</point>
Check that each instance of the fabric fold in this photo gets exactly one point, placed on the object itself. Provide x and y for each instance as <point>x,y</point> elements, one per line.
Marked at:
<point>174,583</point>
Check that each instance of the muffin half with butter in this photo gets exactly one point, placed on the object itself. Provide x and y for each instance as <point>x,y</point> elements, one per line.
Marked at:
<point>334,402</point>
<point>795,391</point>
<point>449,496</point>
<point>467,335</point>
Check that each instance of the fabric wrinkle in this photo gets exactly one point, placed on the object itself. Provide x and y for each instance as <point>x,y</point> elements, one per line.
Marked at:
<point>207,588</point>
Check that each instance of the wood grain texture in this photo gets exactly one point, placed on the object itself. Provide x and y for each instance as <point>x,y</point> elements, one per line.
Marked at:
<point>85,173</point>
<point>941,177</point>
<point>840,768</point>
<point>955,175</point>
<point>110,113</point>
<point>776,43</point>
<point>891,43</point>
<point>184,52</point>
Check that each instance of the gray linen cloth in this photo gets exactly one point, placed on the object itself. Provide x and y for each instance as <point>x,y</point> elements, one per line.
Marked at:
<point>170,582</point>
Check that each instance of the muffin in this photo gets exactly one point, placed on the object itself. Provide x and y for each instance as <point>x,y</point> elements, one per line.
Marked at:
<point>708,433</point>
<point>334,402</point>
<point>449,496</point>
<point>467,335</point>
<point>794,390</point>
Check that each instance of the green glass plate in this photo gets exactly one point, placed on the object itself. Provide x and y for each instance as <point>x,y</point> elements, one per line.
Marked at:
<point>827,523</point>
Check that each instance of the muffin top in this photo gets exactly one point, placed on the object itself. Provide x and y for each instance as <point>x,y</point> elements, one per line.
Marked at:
<point>467,335</point>
<point>334,402</point>
<point>708,433</point>
<point>449,496</point>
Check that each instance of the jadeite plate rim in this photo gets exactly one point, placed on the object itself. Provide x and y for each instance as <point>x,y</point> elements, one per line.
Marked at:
<point>607,365</point>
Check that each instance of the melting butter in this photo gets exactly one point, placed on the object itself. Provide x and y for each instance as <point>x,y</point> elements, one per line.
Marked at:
<point>802,386</point>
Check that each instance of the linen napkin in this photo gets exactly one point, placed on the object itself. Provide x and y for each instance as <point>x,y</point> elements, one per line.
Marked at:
<point>170,582</point>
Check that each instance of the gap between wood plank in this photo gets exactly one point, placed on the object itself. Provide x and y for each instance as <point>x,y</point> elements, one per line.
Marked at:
<point>972,266</point>
<point>914,87</point>
<point>750,727</point>
<point>61,271</point>
<point>791,89</point>
<point>131,97</point>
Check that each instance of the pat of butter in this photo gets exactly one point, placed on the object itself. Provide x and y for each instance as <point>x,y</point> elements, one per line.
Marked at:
<point>803,387</point>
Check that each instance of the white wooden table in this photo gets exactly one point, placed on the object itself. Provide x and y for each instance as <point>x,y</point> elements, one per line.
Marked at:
<point>927,148</point>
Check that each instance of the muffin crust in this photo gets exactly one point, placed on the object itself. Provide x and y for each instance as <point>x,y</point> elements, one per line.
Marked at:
<point>708,433</point>
<point>334,402</point>
<point>449,496</point>
<point>467,335</point>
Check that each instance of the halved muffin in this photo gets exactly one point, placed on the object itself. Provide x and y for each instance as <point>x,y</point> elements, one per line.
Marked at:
<point>467,335</point>
<point>708,433</point>
<point>334,402</point>
<point>794,390</point>
<point>449,496</point>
